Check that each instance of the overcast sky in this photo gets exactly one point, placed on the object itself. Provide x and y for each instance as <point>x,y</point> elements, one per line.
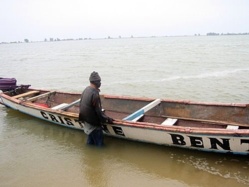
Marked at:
<point>40,19</point>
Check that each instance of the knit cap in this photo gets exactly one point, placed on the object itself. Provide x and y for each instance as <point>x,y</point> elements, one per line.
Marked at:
<point>94,77</point>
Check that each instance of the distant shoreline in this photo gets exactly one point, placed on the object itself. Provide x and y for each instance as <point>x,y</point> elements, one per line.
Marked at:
<point>131,37</point>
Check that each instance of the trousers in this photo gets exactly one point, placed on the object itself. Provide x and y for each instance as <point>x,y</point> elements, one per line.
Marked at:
<point>96,137</point>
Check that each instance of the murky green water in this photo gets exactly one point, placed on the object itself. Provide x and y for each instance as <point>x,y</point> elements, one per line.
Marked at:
<point>37,153</point>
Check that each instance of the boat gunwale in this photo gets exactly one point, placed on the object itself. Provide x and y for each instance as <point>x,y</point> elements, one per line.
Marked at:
<point>146,125</point>
<point>108,96</point>
<point>152,126</point>
<point>243,105</point>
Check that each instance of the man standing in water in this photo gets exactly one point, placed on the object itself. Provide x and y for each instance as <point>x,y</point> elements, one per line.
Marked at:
<point>91,111</point>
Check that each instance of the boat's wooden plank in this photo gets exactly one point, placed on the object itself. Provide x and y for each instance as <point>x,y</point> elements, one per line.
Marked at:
<point>70,105</point>
<point>137,118</point>
<point>210,121</point>
<point>232,127</point>
<point>60,106</point>
<point>40,96</point>
<point>169,122</point>
<point>26,94</point>
<point>142,110</point>
<point>65,106</point>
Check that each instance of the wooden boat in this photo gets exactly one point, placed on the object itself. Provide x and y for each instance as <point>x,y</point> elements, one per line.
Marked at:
<point>212,127</point>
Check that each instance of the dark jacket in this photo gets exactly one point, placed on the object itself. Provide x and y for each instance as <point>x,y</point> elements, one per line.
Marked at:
<point>90,107</point>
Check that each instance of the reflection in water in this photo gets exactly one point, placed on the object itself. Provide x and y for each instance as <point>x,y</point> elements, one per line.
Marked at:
<point>192,168</point>
<point>58,156</point>
<point>94,167</point>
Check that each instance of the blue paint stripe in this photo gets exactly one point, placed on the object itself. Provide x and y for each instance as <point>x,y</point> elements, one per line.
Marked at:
<point>134,115</point>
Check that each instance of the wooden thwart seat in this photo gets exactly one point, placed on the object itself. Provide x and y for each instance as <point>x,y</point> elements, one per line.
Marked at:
<point>135,116</point>
<point>60,106</point>
<point>40,96</point>
<point>65,106</point>
<point>169,122</point>
<point>232,127</point>
<point>26,94</point>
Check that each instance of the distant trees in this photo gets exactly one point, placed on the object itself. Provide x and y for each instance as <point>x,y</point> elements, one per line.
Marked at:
<point>26,40</point>
<point>217,34</point>
<point>212,34</point>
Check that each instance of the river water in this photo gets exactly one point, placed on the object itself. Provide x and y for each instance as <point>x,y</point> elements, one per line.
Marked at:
<point>203,68</point>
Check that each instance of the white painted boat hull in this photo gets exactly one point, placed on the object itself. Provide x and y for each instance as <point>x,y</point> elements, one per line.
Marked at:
<point>169,136</point>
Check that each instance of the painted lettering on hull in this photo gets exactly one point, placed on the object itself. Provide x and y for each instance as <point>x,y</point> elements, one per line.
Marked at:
<point>245,141</point>
<point>117,130</point>
<point>60,119</point>
<point>197,142</point>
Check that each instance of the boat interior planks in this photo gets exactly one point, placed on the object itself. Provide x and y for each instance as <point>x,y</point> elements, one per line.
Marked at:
<point>41,96</point>
<point>26,94</point>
